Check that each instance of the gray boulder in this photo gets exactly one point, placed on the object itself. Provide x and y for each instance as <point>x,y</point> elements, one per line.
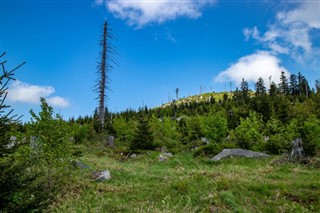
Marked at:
<point>205,140</point>
<point>133,155</point>
<point>78,164</point>
<point>167,154</point>
<point>101,175</point>
<point>238,152</point>
<point>297,149</point>
<point>162,158</point>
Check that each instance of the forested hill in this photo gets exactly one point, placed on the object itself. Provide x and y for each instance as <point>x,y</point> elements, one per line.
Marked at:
<point>242,118</point>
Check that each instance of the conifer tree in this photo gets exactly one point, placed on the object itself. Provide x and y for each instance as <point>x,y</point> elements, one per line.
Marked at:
<point>283,85</point>
<point>260,88</point>
<point>244,86</point>
<point>143,139</point>
<point>293,85</point>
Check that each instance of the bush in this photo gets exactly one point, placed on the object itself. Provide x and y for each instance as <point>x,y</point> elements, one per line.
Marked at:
<point>311,136</point>
<point>82,133</point>
<point>215,127</point>
<point>277,144</point>
<point>248,133</point>
<point>165,133</point>
<point>50,148</point>
<point>124,129</point>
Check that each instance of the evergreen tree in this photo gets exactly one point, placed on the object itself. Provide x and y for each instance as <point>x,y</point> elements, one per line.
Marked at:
<point>244,86</point>
<point>143,138</point>
<point>304,89</point>
<point>273,90</point>
<point>13,180</point>
<point>260,88</point>
<point>293,85</point>
<point>283,85</point>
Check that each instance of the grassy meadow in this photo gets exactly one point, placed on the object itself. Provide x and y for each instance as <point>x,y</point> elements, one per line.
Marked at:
<point>188,184</point>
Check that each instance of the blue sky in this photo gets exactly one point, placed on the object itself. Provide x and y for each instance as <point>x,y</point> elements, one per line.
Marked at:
<point>161,45</point>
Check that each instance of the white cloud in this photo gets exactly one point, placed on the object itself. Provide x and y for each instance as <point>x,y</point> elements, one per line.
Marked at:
<point>30,94</point>
<point>142,12</point>
<point>308,12</point>
<point>58,101</point>
<point>251,67</point>
<point>290,31</point>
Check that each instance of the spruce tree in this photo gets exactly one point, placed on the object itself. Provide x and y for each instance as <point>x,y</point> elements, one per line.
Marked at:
<point>283,85</point>
<point>143,138</point>
<point>293,85</point>
<point>260,88</point>
<point>244,86</point>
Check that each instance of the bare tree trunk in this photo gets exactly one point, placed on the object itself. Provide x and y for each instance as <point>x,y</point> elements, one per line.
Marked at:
<point>102,83</point>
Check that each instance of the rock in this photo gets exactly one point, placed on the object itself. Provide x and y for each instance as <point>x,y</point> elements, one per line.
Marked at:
<point>101,175</point>
<point>297,150</point>
<point>163,158</point>
<point>167,154</point>
<point>205,140</point>
<point>78,164</point>
<point>111,141</point>
<point>238,152</point>
<point>163,149</point>
<point>133,155</point>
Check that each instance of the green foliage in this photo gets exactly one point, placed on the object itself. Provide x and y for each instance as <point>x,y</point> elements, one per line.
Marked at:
<point>124,129</point>
<point>248,133</point>
<point>194,128</point>
<point>215,126</point>
<point>165,133</point>
<point>277,142</point>
<point>50,147</point>
<point>311,136</point>
<point>82,133</point>
<point>143,138</point>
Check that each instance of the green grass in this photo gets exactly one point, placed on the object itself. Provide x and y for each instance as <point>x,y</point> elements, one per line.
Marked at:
<point>187,184</point>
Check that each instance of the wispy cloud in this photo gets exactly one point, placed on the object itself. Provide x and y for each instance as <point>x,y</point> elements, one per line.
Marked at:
<point>251,67</point>
<point>171,38</point>
<point>143,12</point>
<point>291,31</point>
<point>30,94</point>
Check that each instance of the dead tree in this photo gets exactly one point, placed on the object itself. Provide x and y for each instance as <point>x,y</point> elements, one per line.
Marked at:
<point>105,65</point>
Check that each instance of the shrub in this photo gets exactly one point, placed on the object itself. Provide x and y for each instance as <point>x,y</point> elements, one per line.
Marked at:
<point>50,147</point>
<point>215,127</point>
<point>248,133</point>
<point>165,133</point>
<point>311,136</point>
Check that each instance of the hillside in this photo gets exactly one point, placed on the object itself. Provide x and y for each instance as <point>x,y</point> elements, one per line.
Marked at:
<point>205,97</point>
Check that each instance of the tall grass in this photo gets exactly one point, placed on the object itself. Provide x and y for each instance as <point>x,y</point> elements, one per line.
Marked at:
<point>187,184</point>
